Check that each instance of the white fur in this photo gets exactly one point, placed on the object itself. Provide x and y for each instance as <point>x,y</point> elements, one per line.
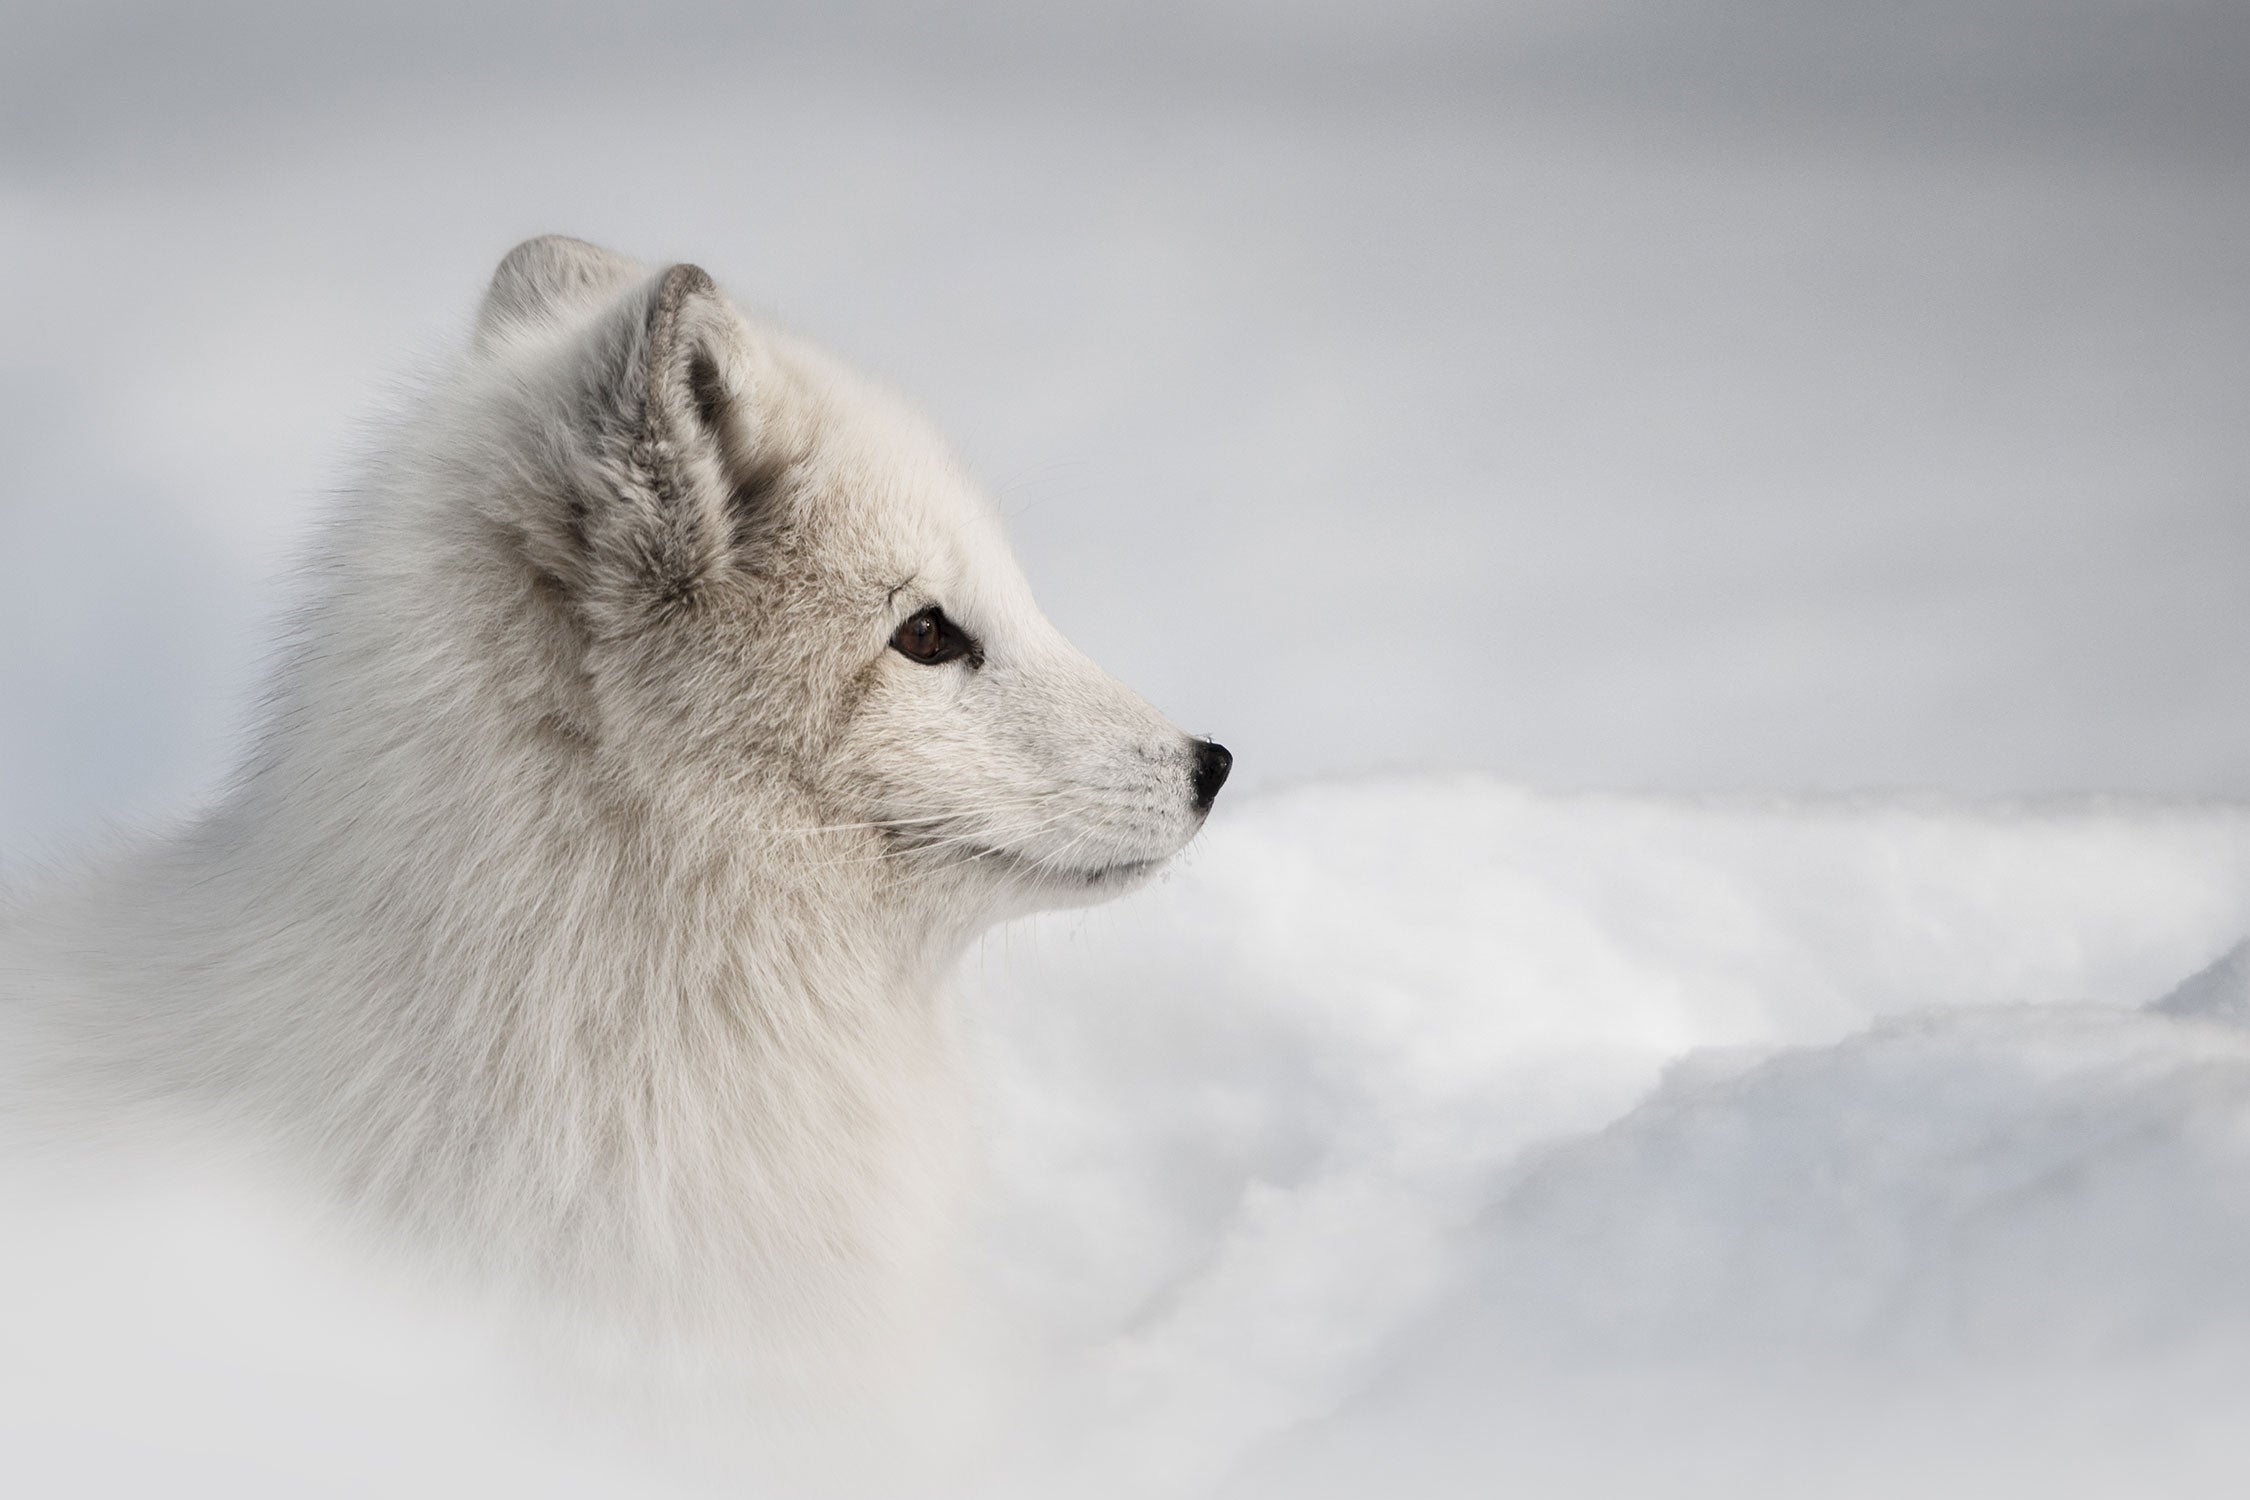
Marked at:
<point>582,914</point>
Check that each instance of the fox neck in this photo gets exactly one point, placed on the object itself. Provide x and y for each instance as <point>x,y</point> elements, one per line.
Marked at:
<point>555,1033</point>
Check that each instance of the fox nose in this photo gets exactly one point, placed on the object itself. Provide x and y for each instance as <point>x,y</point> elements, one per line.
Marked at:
<point>1212,762</point>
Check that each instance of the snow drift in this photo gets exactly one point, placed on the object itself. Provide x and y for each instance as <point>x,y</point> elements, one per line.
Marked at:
<point>1436,1136</point>
<point>1419,1134</point>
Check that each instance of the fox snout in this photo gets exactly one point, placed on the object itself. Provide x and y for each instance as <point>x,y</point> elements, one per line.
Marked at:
<point>1212,763</point>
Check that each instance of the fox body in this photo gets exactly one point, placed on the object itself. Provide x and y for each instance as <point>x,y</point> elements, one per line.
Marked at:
<point>667,716</point>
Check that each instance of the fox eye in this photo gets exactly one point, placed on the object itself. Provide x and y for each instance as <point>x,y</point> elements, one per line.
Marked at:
<point>932,639</point>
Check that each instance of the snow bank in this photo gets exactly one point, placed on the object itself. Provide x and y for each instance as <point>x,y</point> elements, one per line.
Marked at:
<point>1402,1097</point>
<point>1430,1137</point>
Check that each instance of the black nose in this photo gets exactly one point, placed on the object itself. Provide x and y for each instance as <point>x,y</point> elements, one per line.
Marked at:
<point>1211,766</point>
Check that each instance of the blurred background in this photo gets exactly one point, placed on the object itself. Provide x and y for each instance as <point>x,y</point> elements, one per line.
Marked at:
<point>1708,395</point>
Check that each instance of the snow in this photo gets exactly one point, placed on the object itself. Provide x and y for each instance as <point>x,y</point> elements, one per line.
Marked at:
<point>1422,1135</point>
<point>1418,1128</point>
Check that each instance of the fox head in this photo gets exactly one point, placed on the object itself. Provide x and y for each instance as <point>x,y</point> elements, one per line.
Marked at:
<point>741,584</point>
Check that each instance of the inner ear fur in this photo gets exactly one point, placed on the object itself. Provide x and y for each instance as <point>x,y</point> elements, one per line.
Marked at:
<point>667,397</point>
<point>712,455</point>
<point>714,439</point>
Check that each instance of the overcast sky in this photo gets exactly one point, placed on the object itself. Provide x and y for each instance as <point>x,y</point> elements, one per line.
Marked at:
<point>1711,395</point>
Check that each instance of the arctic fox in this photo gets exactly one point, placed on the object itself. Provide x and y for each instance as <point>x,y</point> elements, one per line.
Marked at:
<point>669,717</point>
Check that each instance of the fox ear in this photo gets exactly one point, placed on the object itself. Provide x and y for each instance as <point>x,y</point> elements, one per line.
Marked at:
<point>711,442</point>
<point>699,441</point>
<point>547,279</point>
<point>672,406</point>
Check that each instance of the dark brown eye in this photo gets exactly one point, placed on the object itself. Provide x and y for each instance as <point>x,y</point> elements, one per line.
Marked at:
<point>932,639</point>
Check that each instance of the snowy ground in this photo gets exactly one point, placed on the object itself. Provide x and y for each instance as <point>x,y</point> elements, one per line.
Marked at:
<point>1432,1136</point>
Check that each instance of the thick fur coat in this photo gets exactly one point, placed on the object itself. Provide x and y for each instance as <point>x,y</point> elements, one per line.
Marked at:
<point>668,716</point>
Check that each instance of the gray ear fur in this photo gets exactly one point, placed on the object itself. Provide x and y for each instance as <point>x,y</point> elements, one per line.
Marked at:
<point>547,279</point>
<point>691,425</point>
<point>674,460</point>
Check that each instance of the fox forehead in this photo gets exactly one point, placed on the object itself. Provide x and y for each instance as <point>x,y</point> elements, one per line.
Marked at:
<point>906,517</point>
